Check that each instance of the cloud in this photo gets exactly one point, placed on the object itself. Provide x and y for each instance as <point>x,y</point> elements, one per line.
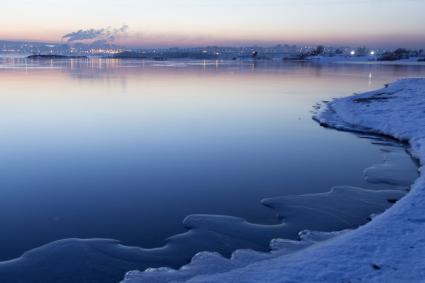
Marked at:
<point>104,34</point>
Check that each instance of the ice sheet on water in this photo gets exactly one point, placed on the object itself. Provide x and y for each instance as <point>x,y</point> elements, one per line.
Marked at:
<point>100,260</point>
<point>341,208</point>
<point>205,263</point>
<point>396,170</point>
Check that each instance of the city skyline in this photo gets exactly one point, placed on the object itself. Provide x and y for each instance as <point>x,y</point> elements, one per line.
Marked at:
<point>234,22</point>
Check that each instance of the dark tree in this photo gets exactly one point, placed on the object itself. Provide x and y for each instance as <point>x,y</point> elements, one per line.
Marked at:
<point>319,50</point>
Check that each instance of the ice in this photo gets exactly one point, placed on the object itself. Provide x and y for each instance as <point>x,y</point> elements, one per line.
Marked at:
<point>205,263</point>
<point>341,208</point>
<point>396,171</point>
<point>101,260</point>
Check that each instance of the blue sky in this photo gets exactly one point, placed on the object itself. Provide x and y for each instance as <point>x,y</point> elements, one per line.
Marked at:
<point>199,22</point>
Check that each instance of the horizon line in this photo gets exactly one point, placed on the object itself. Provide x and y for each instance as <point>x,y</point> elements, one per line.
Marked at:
<point>228,45</point>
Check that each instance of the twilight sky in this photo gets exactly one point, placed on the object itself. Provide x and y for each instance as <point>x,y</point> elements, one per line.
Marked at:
<point>224,22</point>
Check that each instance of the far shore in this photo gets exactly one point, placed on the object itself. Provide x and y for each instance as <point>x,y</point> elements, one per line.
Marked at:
<point>54,56</point>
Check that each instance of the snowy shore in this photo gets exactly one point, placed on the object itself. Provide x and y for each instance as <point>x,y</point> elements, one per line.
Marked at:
<point>388,249</point>
<point>360,60</point>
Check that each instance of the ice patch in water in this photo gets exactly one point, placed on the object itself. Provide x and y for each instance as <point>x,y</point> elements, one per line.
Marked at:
<point>82,261</point>
<point>341,208</point>
<point>396,170</point>
<point>205,263</point>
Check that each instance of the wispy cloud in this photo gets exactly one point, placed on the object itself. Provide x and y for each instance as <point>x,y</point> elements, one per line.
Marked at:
<point>108,34</point>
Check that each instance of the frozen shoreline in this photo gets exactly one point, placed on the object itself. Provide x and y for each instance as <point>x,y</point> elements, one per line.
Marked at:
<point>388,249</point>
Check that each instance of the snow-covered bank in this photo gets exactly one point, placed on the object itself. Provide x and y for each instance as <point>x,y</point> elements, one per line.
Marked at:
<point>363,60</point>
<point>388,249</point>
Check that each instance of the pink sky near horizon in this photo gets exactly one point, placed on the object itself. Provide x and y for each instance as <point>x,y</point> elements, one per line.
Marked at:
<point>232,22</point>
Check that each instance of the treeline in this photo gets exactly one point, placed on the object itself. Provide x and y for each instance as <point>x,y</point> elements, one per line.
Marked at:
<point>400,54</point>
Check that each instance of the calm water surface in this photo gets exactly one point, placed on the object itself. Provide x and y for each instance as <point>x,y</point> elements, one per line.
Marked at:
<point>127,149</point>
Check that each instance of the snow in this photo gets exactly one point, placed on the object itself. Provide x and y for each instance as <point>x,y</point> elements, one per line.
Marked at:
<point>367,59</point>
<point>388,249</point>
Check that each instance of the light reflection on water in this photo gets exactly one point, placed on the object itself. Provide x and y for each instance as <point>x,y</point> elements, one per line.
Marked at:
<point>127,149</point>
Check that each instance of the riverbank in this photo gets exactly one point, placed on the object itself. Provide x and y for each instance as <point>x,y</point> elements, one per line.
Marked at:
<point>388,249</point>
